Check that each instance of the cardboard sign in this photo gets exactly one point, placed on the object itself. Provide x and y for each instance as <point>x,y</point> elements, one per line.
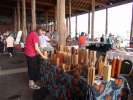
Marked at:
<point>18,38</point>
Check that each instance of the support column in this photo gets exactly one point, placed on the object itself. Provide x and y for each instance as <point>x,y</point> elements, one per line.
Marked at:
<point>33,8</point>
<point>18,15</point>
<point>67,26</point>
<point>89,22</point>
<point>15,21</point>
<point>55,25</point>
<point>24,19</point>
<point>131,34</point>
<point>61,26</point>
<point>51,24</point>
<point>92,21</point>
<point>47,21</point>
<point>48,24</point>
<point>55,22</point>
<point>106,24</point>
<point>70,10</point>
<point>76,26</point>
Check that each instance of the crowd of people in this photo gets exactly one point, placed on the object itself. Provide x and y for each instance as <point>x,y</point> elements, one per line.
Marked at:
<point>36,43</point>
<point>115,41</point>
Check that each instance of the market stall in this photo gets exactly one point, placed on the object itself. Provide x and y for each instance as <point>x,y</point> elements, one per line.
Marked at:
<point>71,75</point>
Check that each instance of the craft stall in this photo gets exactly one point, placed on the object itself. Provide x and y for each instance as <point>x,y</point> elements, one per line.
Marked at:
<point>71,74</point>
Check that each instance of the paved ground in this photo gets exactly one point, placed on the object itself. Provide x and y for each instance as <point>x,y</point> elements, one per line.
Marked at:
<point>13,78</point>
<point>18,61</point>
<point>15,84</point>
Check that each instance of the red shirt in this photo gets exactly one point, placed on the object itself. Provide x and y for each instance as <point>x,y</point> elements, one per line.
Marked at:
<point>30,44</point>
<point>82,40</point>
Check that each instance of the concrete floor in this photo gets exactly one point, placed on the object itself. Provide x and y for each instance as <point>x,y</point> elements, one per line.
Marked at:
<point>15,84</point>
<point>18,61</point>
<point>14,78</point>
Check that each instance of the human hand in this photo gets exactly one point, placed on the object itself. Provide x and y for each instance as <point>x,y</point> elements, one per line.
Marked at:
<point>44,57</point>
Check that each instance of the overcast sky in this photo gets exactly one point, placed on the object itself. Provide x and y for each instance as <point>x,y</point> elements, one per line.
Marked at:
<point>119,21</point>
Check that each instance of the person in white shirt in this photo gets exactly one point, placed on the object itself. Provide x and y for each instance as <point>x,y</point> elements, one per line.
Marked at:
<point>10,44</point>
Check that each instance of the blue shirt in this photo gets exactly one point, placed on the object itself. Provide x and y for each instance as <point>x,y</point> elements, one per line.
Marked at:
<point>43,41</point>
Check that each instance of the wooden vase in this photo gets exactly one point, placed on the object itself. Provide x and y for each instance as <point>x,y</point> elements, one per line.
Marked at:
<point>58,62</point>
<point>76,59</point>
<point>86,57</point>
<point>91,76</point>
<point>107,73</point>
<point>100,67</point>
<point>113,67</point>
<point>118,67</point>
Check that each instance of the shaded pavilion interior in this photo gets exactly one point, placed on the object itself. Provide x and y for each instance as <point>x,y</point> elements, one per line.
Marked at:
<point>28,14</point>
<point>46,10</point>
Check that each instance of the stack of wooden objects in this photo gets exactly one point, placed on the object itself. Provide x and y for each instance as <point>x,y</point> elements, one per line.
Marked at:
<point>79,61</point>
<point>74,62</point>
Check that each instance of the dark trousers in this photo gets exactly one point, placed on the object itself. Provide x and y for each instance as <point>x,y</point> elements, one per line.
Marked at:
<point>10,50</point>
<point>33,67</point>
<point>1,47</point>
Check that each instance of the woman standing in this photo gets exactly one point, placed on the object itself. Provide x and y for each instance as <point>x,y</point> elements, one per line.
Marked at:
<point>33,54</point>
<point>10,44</point>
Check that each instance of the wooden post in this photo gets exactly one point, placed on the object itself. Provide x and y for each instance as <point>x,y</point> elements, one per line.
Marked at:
<point>131,33</point>
<point>106,24</point>
<point>18,14</point>
<point>67,26</point>
<point>33,8</point>
<point>15,21</point>
<point>51,21</point>
<point>89,22</point>
<point>55,22</point>
<point>61,25</point>
<point>76,27</point>
<point>51,25</point>
<point>70,11</point>
<point>92,21</point>
<point>55,29</point>
<point>24,19</point>
<point>47,20</point>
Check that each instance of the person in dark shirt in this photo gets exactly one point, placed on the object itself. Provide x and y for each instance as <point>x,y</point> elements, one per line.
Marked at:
<point>102,38</point>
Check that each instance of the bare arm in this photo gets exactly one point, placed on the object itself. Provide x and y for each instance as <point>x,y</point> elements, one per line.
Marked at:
<point>38,51</point>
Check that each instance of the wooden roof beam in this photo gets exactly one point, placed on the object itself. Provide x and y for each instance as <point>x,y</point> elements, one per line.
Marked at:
<point>13,7</point>
<point>44,3</point>
<point>40,2</point>
<point>102,3</point>
<point>79,9</point>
